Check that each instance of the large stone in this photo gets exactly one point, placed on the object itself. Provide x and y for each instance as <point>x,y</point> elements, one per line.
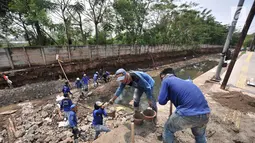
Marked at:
<point>1,139</point>
<point>34,127</point>
<point>19,133</point>
<point>18,141</point>
<point>85,127</point>
<point>68,133</point>
<point>38,109</point>
<point>61,137</point>
<point>90,119</point>
<point>38,119</point>
<point>48,119</point>
<point>120,112</point>
<point>44,114</point>
<point>4,132</point>
<point>29,137</point>
<point>31,131</point>
<point>27,126</point>
<point>48,107</point>
<point>48,139</point>
<point>40,138</point>
<point>67,140</point>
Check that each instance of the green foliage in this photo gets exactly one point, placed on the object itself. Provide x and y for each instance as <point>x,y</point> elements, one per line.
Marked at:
<point>248,40</point>
<point>140,22</point>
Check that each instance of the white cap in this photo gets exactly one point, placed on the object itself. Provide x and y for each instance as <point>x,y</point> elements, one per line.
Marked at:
<point>99,103</point>
<point>121,73</point>
<point>77,78</point>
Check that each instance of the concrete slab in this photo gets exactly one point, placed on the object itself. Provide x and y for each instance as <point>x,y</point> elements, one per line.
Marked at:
<point>243,70</point>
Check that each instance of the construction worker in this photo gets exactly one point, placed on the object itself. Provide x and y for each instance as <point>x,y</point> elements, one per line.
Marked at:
<point>142,82</point>
<point>66,89</point>
<point>95,78</point>
<point>106,76</point>
<point>97,123</point>
<point>78,85</point>
<point>85,82</point>
<point>192,110</point>
<point>9,82</point>
<point>65,105</point>
<point>100,73</point>
<point>73,122</point>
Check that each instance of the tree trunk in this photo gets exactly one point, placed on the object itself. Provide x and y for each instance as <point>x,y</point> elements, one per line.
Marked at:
<point>69,41</point>
<point>84,40</point>
<point>96,28</point>
<point>40,38</point>
<point>25,28</point>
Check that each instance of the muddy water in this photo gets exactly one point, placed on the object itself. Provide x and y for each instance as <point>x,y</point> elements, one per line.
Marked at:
<point>190,71</point>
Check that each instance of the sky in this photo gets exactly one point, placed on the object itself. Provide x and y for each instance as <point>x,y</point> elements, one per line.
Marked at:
<point>224,11</point>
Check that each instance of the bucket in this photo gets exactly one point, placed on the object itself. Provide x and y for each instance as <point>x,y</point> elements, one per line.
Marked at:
<point>149,114</point>
<point>138,118</point>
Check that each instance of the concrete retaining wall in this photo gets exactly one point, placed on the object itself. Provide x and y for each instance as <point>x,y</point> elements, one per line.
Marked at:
<point>22,57</point>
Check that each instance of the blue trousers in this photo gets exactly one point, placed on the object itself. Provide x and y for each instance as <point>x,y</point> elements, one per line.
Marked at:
<point>137,96</point>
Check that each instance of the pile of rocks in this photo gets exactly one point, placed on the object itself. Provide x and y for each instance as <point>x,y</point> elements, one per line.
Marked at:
<point>39,123</point>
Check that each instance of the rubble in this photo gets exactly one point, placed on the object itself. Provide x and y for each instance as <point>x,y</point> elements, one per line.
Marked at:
<point>38,122</point>
<point>1,139</point>
<point>19,133</point>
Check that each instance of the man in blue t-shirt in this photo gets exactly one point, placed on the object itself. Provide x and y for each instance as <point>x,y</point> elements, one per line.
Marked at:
<point>79,85</point>
<point>65,105</point>
<point>95,78</point>
<point>85,82</point>
<point>73,122</point>
<point>97,123</point>
<point>106,76</point>
<point>192,110</point>
<point>66,89</point>
<point>142,82</point>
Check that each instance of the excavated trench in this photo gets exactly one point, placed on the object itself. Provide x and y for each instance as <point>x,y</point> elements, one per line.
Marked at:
<point>76,69</point>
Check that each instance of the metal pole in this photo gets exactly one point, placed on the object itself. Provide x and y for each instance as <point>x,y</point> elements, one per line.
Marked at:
<point>227,42</point>
<point>239,45</point>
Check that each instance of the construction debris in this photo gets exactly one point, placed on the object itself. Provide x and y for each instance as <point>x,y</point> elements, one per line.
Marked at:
<point>8,112</point>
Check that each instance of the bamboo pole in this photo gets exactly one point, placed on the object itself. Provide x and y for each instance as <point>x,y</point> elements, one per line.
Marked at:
<point>59,62</point>
<point>171,109</point>
<point>132,133</point>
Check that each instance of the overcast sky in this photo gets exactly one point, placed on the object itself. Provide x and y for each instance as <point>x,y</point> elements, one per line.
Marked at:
<point>224,10</point>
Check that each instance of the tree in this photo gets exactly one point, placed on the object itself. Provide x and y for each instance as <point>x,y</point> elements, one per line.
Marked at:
<point>96,11</point>
<point>31,13</point>
<point>61,10</point>
<point>78,8</point>
<point>131,15</point>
